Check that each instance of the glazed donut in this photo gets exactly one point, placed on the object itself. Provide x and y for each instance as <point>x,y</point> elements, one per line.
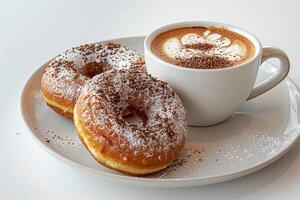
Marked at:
<point>64,77</point>
<point>137,149</point>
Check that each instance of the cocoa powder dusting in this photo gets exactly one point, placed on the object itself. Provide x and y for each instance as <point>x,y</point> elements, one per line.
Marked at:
<point>204,62</point>
<point>199,46</point>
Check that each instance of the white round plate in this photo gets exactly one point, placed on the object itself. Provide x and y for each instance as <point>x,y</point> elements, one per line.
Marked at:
<point>260,132</point>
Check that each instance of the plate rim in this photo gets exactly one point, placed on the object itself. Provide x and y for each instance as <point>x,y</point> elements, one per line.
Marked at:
<point>134,179</point>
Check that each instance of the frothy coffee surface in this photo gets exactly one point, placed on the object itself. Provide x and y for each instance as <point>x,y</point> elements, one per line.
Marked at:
<point>202,47</point>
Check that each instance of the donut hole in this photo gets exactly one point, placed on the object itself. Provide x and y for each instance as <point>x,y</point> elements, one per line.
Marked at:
<point>135,116</point>
<point>93,68</point>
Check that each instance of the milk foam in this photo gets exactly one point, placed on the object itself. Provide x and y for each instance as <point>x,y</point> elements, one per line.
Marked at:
<point>222,46</point>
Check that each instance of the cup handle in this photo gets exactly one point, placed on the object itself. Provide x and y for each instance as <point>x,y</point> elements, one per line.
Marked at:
<point>284,67</point>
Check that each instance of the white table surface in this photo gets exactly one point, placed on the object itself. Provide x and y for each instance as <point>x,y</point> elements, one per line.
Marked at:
<point>32,32</point>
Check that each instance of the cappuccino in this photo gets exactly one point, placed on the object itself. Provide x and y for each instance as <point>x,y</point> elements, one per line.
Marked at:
<point>202,47</point>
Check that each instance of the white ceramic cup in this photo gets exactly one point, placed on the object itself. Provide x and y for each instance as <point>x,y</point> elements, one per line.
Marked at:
<point>210,96</point>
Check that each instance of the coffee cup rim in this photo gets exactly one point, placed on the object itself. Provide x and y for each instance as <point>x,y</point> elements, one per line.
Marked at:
<point>149,38</point>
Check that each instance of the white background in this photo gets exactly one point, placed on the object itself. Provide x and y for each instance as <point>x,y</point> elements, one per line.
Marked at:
<point>32,32</point>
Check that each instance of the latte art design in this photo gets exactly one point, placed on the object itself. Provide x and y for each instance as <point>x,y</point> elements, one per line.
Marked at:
<point>202,47</point>
<point>208,44</point>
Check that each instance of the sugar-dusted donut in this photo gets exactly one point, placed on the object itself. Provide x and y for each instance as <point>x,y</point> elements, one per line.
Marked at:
<point>119,144</point>
<point>64,76</point>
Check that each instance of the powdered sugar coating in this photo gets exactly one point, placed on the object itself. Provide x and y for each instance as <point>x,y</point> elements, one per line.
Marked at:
<point>101,107</point>
<point>65,75</point>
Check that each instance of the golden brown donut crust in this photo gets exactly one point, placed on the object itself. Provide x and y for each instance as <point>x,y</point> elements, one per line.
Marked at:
<point>64,77</point>
<point>60,105</point>
<point>108,158</point>
<point>132,150</point>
